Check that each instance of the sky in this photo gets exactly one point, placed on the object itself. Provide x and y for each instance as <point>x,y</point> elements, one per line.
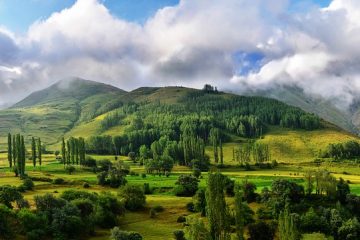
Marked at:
<point>234,44</point>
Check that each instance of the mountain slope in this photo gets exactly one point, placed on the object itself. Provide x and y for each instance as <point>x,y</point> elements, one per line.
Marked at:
<point>79,108</point>
<point>325,109</point>
<point>52,112</point>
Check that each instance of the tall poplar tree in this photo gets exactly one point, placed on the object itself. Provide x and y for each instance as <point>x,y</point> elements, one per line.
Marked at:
<point>287,226</point>
<point>39,151</point>
<point>33,151</point>
<point>10,152</point>
<point>239,213</point>
<point>63,151</point>
<point>216,210</point>
<point>14,150</point>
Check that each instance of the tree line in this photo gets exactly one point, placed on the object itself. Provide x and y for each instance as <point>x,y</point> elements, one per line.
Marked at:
<point>17,153</point>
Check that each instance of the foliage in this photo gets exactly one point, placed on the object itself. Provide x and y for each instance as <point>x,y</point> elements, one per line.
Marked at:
<point>187,186</point>
<point>133,196</point>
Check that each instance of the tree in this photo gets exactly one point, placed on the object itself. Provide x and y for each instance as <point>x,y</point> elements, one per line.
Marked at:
<point>239,213</point>
<point>6,217</point>
<point>309,182</point>
<point>196,229</point>
<point>10,151</point>
<point>63,152</point>
<point>39,151</point>
<point>287,226</point>
<point>33,151</point>
<point>117,234</point>
<point>216,210</point>
<point>200,202</point>
<point>133,196</point>
<point>261,231</point>
<point>342,190</point>
<point>187,186</point>
<point>350,230</point>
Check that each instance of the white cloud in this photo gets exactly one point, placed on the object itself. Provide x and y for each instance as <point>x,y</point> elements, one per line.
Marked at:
<point>190,44</point>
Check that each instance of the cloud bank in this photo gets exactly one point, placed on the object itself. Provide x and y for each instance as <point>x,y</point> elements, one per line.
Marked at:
<point>192,43</point>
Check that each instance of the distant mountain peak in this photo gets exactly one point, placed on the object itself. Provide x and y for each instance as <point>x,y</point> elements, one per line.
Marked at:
<point>72,87</point>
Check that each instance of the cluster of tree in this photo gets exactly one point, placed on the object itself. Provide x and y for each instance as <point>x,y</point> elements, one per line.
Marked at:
<point>73,151</point>
<point>74,215</point>
<point>221,218</point>
<point>111,120</point>
<point>347,150</point>
<point>257,152</point>
<point>246,126</point>
<point>17,153</point>
<point>113,175</point>
<point>287,206</point>
<point>209,89</point>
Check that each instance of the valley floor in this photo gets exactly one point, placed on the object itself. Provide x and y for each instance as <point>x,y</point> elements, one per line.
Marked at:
<point>163,225</point>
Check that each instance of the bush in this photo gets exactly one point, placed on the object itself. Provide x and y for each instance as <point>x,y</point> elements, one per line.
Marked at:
<point>6,217</point>
<point>28,184</point>
<point>143,175</point>
<point>117,234</point>
<point>196,172</point>
<point>179,235</point>
<point>152,213</point>
<point>190,207</point>
<point>71,195</point>
<point>86,185</point>
<point>133,196</point>
<point>187,186</point>
<point>59,181</point>
<point>261,231</point>
<point>107,209</point>
<point>70,169</point>
<point>181,219</point>
<point>147,189</point>
<point>89,162</point>
<point>158,208</point>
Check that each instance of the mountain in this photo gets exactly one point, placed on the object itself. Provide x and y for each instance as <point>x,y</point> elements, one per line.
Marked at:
<point>80,108</point>
<point>346,119</point>
<point>52,112</point>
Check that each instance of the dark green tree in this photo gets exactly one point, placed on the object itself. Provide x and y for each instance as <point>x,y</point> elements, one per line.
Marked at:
<point>10,152</point>
<point>216,210</point>
<point>33,151</point>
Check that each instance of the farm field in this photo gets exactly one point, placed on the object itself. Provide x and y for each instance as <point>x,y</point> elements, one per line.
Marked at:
<point>163,225</point>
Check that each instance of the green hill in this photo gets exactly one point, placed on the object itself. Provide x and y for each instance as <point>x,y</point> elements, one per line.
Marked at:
<point>80,108</point>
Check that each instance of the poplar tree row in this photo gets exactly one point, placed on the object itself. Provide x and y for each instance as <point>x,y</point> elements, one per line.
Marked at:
<point>257,152</point>
<point>73,151</point>
<point>17,154</point>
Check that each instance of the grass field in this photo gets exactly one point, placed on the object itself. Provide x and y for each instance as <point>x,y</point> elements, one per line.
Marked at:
<point>163,225</point>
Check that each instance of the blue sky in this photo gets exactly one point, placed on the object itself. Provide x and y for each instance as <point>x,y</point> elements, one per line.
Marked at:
<point>18,15</point>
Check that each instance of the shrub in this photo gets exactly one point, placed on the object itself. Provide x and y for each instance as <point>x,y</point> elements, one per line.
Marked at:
<point>158,208</point>
<point>86,185</point>
<point>133,196</point>
<point>190,207</point>
<point>261,231</point>
<point>181,219</point>
<point>59,181</point>
<point>179,235</point>
<point>71,195</point>
<point>187,186</point>
<point>147,189</point>
<point>152,213</point>
<point>143,175</point>
<point>117,234</point>
<point>196,172</point>
<point>28,184</point>
<point>89,162</point>
<point>70,169</point>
